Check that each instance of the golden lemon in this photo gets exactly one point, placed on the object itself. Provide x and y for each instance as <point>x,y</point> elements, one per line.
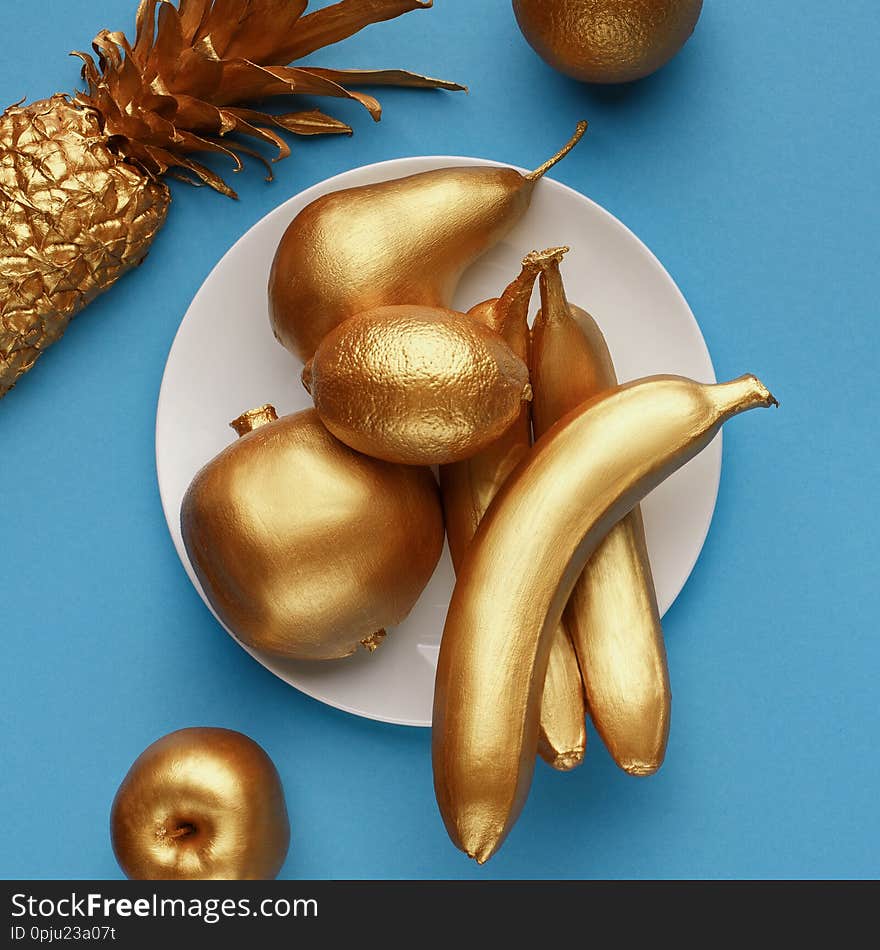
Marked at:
<point>418,385</point>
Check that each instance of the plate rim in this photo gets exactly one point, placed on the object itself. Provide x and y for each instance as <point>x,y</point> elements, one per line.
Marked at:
<point>320,188</point>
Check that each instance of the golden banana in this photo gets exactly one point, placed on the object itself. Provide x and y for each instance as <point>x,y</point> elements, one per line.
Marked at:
<point>581,478</point>
<point>470,485</point>
<point>612,614</point>
<point>468,488</point>
<point>562,729</point>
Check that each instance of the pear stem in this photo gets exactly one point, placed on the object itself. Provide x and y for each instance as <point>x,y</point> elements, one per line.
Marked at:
<point>541,170</point>
<point>253,419</point>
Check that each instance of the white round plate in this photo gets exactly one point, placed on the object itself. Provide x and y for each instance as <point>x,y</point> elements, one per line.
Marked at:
<point>225,359</point>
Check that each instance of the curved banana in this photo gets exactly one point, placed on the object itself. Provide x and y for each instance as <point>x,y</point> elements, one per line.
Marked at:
<point>589,470</point>
<point>468,488</point>
<point>612,614</point>
<point>562,733</point>
<point>470,485</point>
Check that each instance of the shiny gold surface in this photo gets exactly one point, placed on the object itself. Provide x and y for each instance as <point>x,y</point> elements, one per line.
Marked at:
<point>62,246</point>
<point>201,804</point>
<point>607,41</point>
<point>253,419</point>
<point>469,486</point>
<point>407,240</point>
<point>612,615</point>
<point>304,548</point>
<point>562,733</point>
<point>418,385</point>
<point>177,90</point>
<point>585,474</point>
<point>80,199</point>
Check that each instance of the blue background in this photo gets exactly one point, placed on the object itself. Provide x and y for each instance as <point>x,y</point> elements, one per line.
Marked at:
<point>749,166</point>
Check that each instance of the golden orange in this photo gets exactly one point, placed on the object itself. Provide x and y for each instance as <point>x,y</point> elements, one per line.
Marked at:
<point>607,41</point>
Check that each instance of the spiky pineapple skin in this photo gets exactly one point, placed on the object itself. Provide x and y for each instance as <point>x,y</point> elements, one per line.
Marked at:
<point>74,217</point>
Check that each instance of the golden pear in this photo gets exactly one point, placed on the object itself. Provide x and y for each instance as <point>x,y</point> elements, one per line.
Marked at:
<point>305,548</point>
<point>417,385</point>
<point>607,41</point>
<point>407,240</point>
<point>201,804</point>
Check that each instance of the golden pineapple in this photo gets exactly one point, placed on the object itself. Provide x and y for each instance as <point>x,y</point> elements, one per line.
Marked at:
<point>81,195</point>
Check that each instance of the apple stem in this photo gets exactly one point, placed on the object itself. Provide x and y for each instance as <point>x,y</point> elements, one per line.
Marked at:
<point>182,831</point>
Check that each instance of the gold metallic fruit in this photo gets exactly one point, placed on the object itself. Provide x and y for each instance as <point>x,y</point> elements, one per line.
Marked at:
<point>612,614</point>
<point>585,474</point>
<point>418,385</point>
<point>304,548</point>
<point>468,488</point>
<point>607,41</point>
<point>201,804</point>
<point>407,240</point>
<point>562,733</point>
<point>81,195</point>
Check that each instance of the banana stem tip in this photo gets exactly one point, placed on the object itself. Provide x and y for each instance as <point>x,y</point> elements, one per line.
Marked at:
<point>543,258</point>
<point>741,394</point>
<point>762,395</point>
<point>566,761</point>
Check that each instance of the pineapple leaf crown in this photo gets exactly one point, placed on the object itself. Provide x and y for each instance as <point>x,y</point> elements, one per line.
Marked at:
<point>180,89</point>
